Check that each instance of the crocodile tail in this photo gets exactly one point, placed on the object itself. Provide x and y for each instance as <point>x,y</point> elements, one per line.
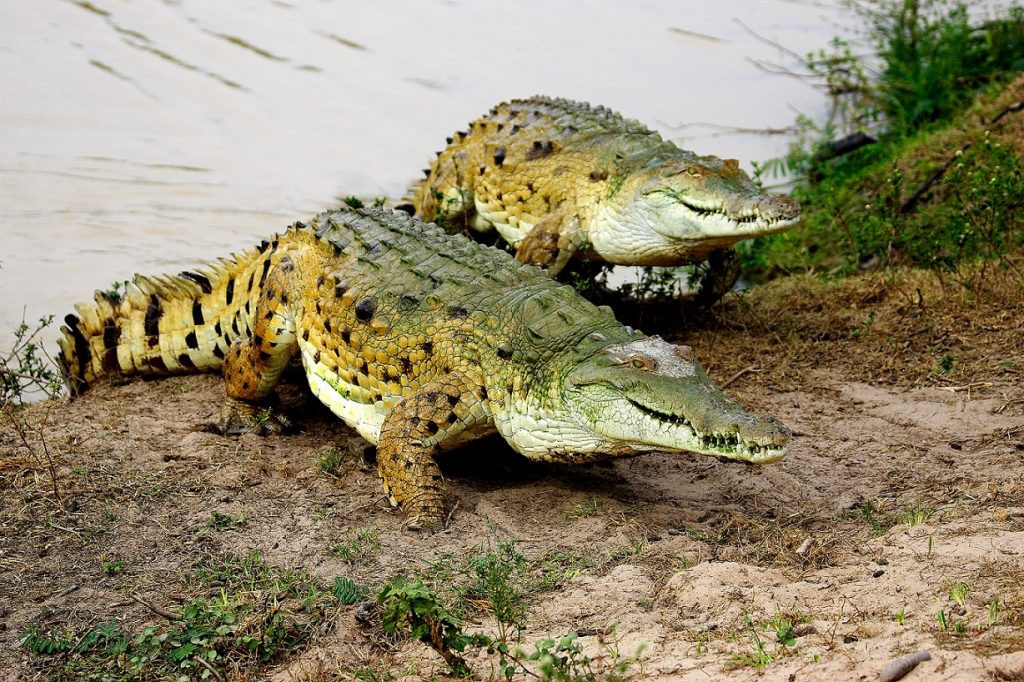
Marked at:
<point>180,324</point>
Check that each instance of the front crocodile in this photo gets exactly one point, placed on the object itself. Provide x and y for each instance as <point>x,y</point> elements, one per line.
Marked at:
<point>419,340</point>
<point>558,178</point>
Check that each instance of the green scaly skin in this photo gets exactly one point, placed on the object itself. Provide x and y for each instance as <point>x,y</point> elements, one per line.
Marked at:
<point>420,341</point>
<point>558,179</point>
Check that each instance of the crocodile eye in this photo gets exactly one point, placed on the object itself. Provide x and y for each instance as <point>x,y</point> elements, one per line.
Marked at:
<point>641,363</point>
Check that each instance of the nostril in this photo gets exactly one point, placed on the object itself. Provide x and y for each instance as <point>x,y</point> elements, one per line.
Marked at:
<point>684,352</point>
<point>781,207</point>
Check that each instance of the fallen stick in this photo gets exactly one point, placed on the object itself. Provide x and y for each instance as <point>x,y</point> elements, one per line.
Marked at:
<point>899,668</point>
<point>735,377</point>
<point>966,387</point>
<point>162,612</point>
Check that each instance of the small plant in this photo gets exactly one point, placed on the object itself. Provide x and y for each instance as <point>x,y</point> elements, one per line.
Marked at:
<point>152,492</point>
<point>108,514</point>
<point>943,620</point>
<point>865,329</point>
<point>26,368</point>
<point>945,363</point>
<point>64,641</point>
<point>220,521</point>
<point>783,627</point>
<point>958,593</point>
<point>995,610</point>
<point>112,566</point>
<point>500,578</point>
<point>115,291</point>
<point>758,659</point>
<point>413,607</point>
<point>916,515</point>
<point>557,568</point>
<point>901,616</point>
<point>264,418</point>
<point>360,544</point>
<point>330,459</point>
<point>588,508</point>
<point>868,511</point>
<point>353,202</point>
<point>718,538</point>
<point>563,660</point>
<point>348,592</point>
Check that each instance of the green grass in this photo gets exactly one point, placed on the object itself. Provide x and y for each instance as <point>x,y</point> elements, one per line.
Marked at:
<point>219,521</point>
<point>359,545</point>
<point>588,508</point>
<point>867,208</point>
<point>758,658</point>
<point>112,567</point>
<point>330,460</point>
<point>249,615</point>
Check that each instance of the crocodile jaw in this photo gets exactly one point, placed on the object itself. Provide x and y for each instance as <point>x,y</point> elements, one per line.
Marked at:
<point>652,395</point>
<point>673,233</point>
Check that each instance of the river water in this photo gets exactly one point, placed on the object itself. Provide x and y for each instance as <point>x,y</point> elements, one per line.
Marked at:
<point>150,136</point>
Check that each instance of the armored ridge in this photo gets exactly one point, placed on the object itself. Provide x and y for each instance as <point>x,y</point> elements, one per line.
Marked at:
<point>420,341</point>
<point>558,178</point>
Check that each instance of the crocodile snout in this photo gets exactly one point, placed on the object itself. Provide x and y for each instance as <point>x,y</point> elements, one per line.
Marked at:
<point>776,207</point>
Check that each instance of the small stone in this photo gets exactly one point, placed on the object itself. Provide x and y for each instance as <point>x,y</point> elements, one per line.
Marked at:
<point>878,574</point>
<point>882,561</point>
<point>366,613</point>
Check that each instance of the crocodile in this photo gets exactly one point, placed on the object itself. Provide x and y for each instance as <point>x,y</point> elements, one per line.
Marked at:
<point>420,341</point>
<point>558,178</point>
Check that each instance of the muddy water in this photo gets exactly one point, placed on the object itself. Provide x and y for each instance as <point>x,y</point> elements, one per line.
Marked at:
<point>148,136</point>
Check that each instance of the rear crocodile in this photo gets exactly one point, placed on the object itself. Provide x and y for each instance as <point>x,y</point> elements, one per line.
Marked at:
<point>420,341</point>
<point>558,178</point>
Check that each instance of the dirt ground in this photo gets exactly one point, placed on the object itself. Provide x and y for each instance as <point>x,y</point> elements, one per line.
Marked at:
<point>902,498</point>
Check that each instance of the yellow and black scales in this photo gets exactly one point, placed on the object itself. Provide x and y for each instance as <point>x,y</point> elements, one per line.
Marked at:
<point>559,179</point>
<point>418,340</point>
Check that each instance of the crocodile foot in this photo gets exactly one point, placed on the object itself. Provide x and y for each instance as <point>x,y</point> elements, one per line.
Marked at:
<point>720,273</point>
<point>425,523</point>
<point>241,417</point>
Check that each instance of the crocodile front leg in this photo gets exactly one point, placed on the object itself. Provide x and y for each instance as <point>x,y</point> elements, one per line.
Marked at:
<point>414,430</point>
<point>552,242</point>
<point>721,271</point>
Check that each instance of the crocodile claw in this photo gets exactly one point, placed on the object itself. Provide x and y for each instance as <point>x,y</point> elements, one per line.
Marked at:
<point>243,417</point>
<point>426,523</point>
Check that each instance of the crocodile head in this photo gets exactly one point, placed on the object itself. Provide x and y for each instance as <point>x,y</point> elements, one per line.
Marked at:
<point>679,211</point>
<point>648,394</point>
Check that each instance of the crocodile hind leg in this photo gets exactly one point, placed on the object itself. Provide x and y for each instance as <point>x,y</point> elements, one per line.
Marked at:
<point>253,365</point>
<point>412,433</point>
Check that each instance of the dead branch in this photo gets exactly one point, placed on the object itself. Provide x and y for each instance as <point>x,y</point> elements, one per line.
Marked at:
<point>162,612</point>
<point>1013,108</point>
<point>915,198</point>
<point>737,375</point>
